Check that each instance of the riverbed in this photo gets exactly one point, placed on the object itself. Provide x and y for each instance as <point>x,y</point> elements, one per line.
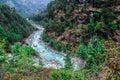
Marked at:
<point>49,57</point>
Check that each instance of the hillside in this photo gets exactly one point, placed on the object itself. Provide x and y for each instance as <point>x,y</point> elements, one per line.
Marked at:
<point>27,7</point>
<point>78,40</point>
<point>12,25</point>
<point>64,23</point>
<point>14,58</point>
<point>88,29</point>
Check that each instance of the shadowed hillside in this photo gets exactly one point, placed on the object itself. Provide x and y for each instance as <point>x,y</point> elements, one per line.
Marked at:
<point>13,27</point>
<point>27,7</point>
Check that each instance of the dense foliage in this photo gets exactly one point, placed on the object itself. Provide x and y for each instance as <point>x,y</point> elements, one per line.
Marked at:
<point>66,75</point>
<point>16,62</point>
<point>85,29</point>
<point>88,28</point>
<point>13,26</point>
<point>102,22</point>
<point>54,21</point>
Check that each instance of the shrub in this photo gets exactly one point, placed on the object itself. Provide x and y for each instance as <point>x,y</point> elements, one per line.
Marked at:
<point>15,49</point>
<point>91,53</point>
<point>113,26</point>
<point>52,43</point>
<point>68,64</point>
<point>59,46</point>
<point>64,48</point>
<point>66,75</point>
<point>46,38</point>
<point>103,21</point>
<point>82,51</point>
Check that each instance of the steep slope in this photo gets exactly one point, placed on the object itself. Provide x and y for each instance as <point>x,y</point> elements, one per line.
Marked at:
<point>63,20</point>
<point>14,58</point>
<point>89,29</point>
<point>13,26</point>
<point>27,7</point>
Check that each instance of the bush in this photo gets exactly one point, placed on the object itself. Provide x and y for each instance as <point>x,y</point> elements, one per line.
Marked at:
<point>52,43</point>
<point>64,48</point>
<point>15,49</point>
<point>113,26</point>
<point>66,75</point>
<point>24,50</point>
<point>68,64</point>
<point>82,51</point>
<point>12,37</point>
<point>46,38</point>
<point>103,21</point>
<point>20,62</point>
<point>91,53</point>
<point>3,33</point>
<point>59,46</point>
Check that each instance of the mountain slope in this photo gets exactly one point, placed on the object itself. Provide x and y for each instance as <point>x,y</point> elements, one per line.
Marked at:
<point>27,7</point>
<point>13,26</point>
<point>15,59</point>
<point>89,30</point>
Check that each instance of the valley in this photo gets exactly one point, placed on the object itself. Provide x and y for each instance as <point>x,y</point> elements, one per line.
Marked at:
<point>59,40</point>
<point>50,58</point>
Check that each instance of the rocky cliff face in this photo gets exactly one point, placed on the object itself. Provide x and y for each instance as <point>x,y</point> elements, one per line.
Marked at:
<point>27,7</point>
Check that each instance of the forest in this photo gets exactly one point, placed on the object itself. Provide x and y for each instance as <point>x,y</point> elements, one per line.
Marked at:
<point>13,57</point>
<point>85,29</point>
<point>13,26</point>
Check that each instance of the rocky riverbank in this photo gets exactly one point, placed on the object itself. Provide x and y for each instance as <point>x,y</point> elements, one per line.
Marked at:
<point>50,58</point>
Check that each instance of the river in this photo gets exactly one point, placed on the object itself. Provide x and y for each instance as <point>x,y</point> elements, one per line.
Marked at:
<point>50,58</point>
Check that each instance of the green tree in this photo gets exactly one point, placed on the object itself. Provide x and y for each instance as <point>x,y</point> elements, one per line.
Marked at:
<point>68,63</point>
<point>13,26</point>
<point>52,43</point>
<point>82,51</point>
<point>58,46</point>
<point>66,75</point>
